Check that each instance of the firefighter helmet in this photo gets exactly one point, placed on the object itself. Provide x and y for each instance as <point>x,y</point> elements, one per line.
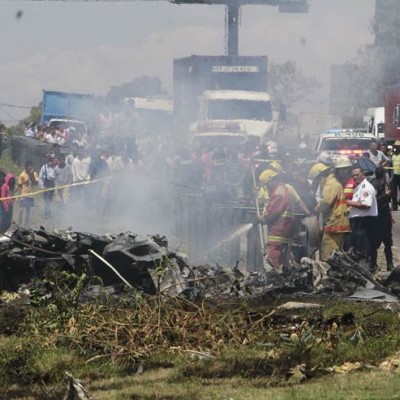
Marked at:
<point>316,170</point>
<point>276,166</point>
<point>267,175</point>
<point>343,162</point>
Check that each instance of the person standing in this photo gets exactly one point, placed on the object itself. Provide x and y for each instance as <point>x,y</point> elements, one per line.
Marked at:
<point>80,173</point>
<point>383,224</point>
<point>396,174</point>
<point>363,211</point>
<point>377,156</point>
<point>343,167</point>
<point>99,170</point>
<point>7,205</point>
<point>30,131</point>
<point>279,216</point>
<point>27,180</point>
<point>63,178</point>
<point>47,177</point>
<point>335,214</point>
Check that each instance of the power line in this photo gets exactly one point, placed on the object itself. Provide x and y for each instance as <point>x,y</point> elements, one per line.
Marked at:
<point>9,115</point>
<point>14,106</point>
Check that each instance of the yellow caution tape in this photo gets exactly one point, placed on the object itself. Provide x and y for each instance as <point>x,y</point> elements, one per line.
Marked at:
<point>20,196</point>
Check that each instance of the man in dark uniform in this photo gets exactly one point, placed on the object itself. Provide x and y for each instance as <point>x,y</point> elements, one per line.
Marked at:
<point>382,224</point>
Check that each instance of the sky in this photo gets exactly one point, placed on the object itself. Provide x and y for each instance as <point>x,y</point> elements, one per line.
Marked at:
<point>89,47</point>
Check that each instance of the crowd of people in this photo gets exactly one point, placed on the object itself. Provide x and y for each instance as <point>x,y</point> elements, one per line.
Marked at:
<point>82,176</point>
<point>352,198</point>
<point>58,134</point>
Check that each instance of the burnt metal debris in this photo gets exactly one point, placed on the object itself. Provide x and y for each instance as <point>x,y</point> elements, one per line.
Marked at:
<point>149,266</point>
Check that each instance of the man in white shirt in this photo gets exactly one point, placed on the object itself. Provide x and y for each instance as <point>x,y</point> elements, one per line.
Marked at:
<point>80,173</point>
<point>50,136</point>
<point>376,156</point>
<point>363,210</point>
<point>30,131</point>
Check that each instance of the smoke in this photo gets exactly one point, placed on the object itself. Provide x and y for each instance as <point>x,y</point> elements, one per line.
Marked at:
<point>130,200</point>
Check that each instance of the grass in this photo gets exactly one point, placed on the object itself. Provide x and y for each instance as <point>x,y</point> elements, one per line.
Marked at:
<point>35,355</point>
<point>155,385</point>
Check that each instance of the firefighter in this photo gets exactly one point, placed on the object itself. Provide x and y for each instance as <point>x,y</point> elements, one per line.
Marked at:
<point>280,218</point>
<point>315,178</point>
<point>335,214</point>
<point>263,196</point>
<point>343,173</point>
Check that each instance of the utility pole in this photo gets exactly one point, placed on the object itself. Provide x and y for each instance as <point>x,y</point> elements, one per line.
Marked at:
<point>233,12</point>
<point>232,33</point>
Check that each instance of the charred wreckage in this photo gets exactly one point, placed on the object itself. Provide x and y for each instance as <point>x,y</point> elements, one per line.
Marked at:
<point>146,264</point>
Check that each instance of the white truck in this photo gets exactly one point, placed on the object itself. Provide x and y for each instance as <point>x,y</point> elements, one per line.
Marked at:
<point>223,89</point>
<point>252,110</point>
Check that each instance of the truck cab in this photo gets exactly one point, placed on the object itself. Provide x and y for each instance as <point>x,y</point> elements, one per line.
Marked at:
<point>252,110</point>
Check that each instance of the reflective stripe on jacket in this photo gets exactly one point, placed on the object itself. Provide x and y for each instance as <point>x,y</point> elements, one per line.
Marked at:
<point>349,188</point>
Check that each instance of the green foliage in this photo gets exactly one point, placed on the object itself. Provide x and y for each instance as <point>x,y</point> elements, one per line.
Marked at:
<point>141,87</point>
<point>288,85</point>
<point>62,292</point>
<point>6,163</point>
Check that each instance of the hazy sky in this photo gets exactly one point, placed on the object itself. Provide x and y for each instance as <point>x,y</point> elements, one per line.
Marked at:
<point>88,47</point>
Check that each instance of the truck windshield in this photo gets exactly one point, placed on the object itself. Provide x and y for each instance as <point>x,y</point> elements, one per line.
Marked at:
<point>239,109</point>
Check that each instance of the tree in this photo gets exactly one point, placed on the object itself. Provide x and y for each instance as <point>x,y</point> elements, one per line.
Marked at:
<point>288,85</point>
<point>34,116</point>
<point>140,87</point>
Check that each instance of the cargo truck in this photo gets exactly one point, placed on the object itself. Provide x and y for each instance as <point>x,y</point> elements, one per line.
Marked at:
<point>69,109</point>
<point>223,89</point>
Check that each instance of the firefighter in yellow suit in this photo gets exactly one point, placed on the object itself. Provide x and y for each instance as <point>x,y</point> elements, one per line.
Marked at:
<point>335,214</point>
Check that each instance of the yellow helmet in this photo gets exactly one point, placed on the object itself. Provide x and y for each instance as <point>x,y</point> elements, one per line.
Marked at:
<point>397,143</point>
<point>343,162</point>
<point>276,166</point>
<point>316,170</point>
<point>267,175</point>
